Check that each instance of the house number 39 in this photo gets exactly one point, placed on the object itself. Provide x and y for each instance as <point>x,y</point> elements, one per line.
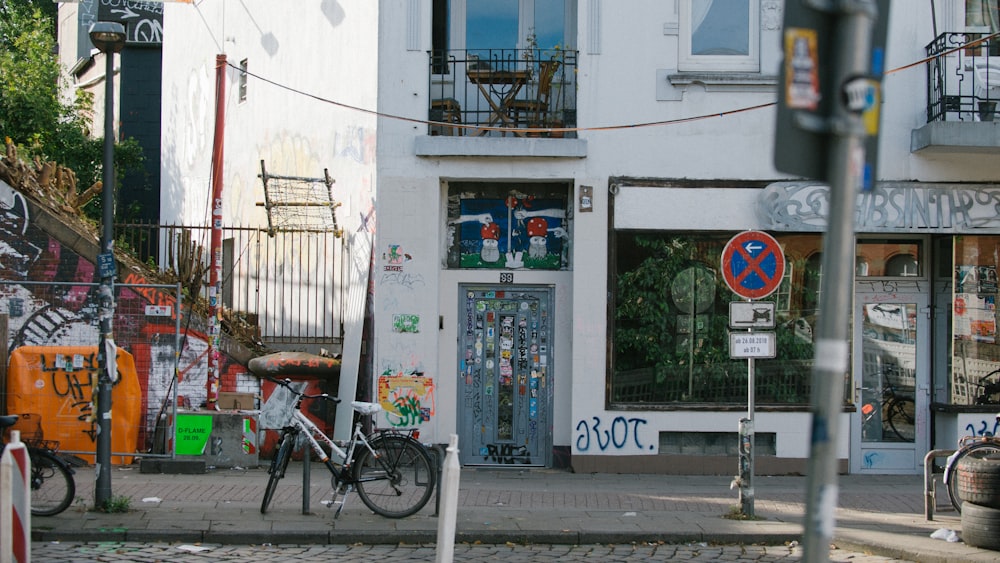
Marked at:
<point>506,277</point>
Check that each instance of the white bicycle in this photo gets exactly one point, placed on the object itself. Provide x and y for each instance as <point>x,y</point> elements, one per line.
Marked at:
<point>391,471</point>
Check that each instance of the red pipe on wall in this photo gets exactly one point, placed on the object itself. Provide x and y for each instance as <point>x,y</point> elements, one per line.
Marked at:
<point>215,254</point>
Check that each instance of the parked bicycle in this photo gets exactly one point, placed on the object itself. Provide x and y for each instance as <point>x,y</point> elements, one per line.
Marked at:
<point>897,412</point>
<point>968,447</point>
<point>52,483</point>
<point>391,471</point>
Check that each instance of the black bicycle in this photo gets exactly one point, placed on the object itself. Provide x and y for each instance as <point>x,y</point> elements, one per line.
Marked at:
<point>52,483</point>
<point>391,471</point>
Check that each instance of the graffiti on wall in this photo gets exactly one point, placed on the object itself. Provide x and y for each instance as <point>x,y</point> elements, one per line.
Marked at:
<point>63,311</point>
<point>620,434</point>
<point>408,400</point>
<point>58,383</point>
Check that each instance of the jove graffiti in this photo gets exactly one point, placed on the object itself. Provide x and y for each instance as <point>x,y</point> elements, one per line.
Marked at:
<point>621,434</point>
<point>57,383</point>
<point>407,399</point>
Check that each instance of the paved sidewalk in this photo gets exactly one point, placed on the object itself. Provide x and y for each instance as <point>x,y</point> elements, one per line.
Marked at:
<point>881,515</point>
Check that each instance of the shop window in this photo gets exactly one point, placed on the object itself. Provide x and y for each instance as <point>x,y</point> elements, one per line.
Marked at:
<point>670,323</point>
<point>889,258</point>
<point>719,35</point>
<point>974,378</point>
<point>508,226</point>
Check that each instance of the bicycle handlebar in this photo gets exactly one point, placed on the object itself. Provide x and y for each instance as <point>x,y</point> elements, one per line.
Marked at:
<point>287,384</point>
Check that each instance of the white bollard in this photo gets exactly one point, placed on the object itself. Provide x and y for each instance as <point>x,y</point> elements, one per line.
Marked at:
<point>449,503</point>
<point>15,502</point>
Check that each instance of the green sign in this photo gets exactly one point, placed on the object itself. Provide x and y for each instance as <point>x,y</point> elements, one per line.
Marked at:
<point>192,433</point>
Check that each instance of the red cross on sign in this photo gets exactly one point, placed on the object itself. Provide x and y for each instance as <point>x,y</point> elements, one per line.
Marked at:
<point>753,264</point>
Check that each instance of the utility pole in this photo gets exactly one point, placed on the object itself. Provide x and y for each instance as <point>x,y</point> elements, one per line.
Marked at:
<point>828,82</point>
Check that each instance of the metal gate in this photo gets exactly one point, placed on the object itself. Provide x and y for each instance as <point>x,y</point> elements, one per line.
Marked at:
<point>505,392</point>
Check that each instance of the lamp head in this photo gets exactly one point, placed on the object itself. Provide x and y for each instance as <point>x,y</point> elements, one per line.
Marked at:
<point>108,37</point>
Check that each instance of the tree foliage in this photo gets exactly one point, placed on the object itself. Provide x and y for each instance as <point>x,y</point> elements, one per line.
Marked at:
<point>34,113</point>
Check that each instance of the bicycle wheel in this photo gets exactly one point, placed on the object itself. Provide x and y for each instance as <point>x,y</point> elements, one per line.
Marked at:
<point>52,484</point>
<point>398,480</point>
<point>977,450</point>
<point>901,418</point>
<point>277,469</point>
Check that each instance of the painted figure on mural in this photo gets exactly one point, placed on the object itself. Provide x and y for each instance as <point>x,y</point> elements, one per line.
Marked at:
<point>491,243</point>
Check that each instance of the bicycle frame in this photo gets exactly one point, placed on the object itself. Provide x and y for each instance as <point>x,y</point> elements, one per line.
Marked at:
<point>312,432</point>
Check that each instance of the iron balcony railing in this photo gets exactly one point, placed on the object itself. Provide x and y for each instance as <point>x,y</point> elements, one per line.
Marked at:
<point>963,78</point>
<point>503,92</point>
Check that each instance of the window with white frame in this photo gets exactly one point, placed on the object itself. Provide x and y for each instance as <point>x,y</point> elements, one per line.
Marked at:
<point>719,36</point>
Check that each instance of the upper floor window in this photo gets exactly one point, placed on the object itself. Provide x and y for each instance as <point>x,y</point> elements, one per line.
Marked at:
<point>983,15</point>
<point>719,35</point>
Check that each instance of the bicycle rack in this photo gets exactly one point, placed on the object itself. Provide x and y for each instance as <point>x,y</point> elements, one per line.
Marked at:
<point>930,488</point>
<point>437,452</point>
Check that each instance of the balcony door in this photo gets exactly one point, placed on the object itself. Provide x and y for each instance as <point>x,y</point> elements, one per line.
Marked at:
<point>507,24</point>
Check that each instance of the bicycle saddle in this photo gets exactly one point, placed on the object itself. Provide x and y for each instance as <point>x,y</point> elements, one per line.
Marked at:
<point>366,408</point>
<point>8,420</point>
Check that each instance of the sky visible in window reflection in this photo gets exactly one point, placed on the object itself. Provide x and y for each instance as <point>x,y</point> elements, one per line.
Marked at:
<point>493,24</point>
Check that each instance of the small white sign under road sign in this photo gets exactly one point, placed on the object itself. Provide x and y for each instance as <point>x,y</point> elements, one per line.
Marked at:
<point>751,314</point>
<point>751,345</point>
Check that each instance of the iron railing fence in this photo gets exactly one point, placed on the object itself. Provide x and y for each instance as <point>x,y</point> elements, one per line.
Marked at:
<point>286,285</point>
<point>474,88</point>
<point>52,316</point>
<point>963,78</point>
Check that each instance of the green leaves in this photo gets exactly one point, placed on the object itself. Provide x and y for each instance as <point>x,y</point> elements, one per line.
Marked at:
<point>35,111</point>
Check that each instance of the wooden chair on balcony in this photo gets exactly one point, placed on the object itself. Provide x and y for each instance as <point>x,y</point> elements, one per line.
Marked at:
<point>534,112</point>
<point>446,110</point>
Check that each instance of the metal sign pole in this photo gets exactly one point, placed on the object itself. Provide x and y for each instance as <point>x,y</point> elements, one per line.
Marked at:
<point>845,169</point>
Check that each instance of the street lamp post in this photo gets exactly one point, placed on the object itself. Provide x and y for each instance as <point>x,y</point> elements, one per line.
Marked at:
<point>109,38</point>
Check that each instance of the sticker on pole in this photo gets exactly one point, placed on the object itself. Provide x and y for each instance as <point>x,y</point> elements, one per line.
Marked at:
<point>753,264</point>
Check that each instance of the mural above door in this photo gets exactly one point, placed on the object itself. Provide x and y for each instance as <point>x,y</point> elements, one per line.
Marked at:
<point>493,226</point>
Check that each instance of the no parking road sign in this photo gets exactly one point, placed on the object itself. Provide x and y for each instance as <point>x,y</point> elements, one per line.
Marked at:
<point>753,264</point>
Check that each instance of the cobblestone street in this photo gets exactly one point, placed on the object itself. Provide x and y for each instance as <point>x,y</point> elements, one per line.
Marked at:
<point>57,552</point>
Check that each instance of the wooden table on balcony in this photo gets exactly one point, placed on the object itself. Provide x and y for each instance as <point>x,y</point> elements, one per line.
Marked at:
<point>499,87</point>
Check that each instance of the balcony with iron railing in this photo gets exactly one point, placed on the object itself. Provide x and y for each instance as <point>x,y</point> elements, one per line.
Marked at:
<point>506,93</point>
<point>963,91</point>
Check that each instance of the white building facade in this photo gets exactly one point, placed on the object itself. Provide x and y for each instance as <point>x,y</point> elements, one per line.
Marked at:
<point>535,195</point>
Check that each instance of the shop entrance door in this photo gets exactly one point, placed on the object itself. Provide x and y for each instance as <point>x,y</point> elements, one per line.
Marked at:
<point>891,383</point>
<point>505,388</point>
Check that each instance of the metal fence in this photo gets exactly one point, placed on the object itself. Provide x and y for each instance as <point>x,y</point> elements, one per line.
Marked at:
<point>57,315</point>
<point>286,283</point>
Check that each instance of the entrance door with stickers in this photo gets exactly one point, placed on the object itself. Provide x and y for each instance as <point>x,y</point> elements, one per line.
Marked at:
<point>505,379</point>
